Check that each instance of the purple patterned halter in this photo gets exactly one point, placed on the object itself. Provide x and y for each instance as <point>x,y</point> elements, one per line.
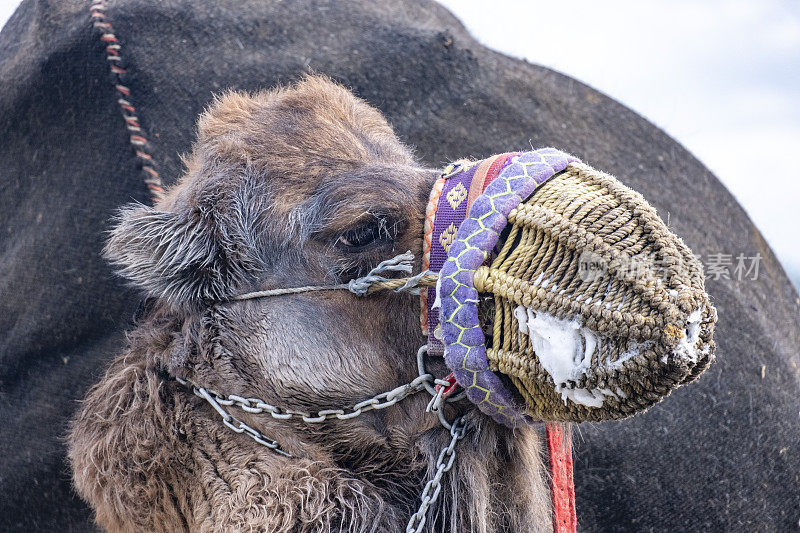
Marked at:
<point>470,206</point>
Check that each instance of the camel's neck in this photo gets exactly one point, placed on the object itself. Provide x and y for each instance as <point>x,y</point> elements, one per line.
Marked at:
<point>148,454</point>
<point>498,482</point>
<point>356,489</point>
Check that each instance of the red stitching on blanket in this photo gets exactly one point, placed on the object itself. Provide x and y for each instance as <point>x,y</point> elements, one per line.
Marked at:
<point>139,143</point>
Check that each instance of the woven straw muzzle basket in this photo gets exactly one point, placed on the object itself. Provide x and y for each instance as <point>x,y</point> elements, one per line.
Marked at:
<point>587,306</point>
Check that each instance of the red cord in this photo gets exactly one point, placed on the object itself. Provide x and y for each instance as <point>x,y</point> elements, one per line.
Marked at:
<point>559,442</point>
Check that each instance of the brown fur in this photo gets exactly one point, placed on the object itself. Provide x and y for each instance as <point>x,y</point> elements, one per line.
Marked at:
<point>273,182</point>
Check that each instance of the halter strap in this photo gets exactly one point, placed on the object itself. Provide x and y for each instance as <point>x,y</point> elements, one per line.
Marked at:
<point>559,445</point>
<point>452,196</point>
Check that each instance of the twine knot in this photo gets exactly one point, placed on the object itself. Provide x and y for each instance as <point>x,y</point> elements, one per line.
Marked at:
<point>399,263</point>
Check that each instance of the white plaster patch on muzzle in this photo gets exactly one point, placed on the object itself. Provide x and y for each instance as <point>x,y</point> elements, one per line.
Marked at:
<point>687,347</point>
<point>564,349</point>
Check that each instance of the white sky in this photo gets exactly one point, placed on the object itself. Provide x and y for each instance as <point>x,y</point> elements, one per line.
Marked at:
<point>7,7</point>
<point>721,76</point>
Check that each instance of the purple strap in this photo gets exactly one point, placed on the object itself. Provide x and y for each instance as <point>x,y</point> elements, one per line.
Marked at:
<point>477,235</point>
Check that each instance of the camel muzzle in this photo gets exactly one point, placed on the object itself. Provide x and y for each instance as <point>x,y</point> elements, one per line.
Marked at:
<point>554,292</point>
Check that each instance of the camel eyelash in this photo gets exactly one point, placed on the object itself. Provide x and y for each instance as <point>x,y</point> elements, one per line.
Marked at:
<point>377,230</point>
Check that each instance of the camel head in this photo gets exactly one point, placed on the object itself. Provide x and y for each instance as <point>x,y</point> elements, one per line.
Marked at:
<point>300,186</point>
<point>308,186</point>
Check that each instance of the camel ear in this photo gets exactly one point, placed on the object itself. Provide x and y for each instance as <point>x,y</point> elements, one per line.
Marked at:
<point>173,256</point>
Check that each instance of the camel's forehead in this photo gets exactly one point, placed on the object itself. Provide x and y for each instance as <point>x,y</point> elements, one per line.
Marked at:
<point>341,196</point>
<point>311,127</point>
<point>313,138</point>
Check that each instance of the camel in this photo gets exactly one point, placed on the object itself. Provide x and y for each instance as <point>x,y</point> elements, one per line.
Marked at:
<point>301,185</point>
<point>68,161</point>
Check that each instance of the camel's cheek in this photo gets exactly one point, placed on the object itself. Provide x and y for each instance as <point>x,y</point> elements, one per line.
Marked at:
<point>319,346</point>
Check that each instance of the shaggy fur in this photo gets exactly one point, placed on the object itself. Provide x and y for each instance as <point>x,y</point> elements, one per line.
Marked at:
<point>276,185</point>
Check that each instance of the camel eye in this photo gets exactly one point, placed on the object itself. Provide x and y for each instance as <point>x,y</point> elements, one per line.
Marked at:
<point>376,231</point>
<point>359,237</point>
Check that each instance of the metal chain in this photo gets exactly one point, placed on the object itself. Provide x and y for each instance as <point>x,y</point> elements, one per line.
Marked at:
<point>434,486</point>
<point>380,401</point>
<point>238,426</point>
<point>434,406</point>
<point>257,406</point>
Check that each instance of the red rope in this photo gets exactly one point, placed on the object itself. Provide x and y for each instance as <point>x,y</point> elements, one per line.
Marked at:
<point>138,141</point>
<point>559,442</point>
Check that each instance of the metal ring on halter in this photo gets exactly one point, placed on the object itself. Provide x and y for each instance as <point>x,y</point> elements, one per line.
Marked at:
<point>430,388</point>
<point>421,368</point>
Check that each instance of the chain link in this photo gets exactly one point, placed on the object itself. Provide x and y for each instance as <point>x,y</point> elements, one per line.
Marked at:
<point>240,427</point>
<point>434,486</point>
